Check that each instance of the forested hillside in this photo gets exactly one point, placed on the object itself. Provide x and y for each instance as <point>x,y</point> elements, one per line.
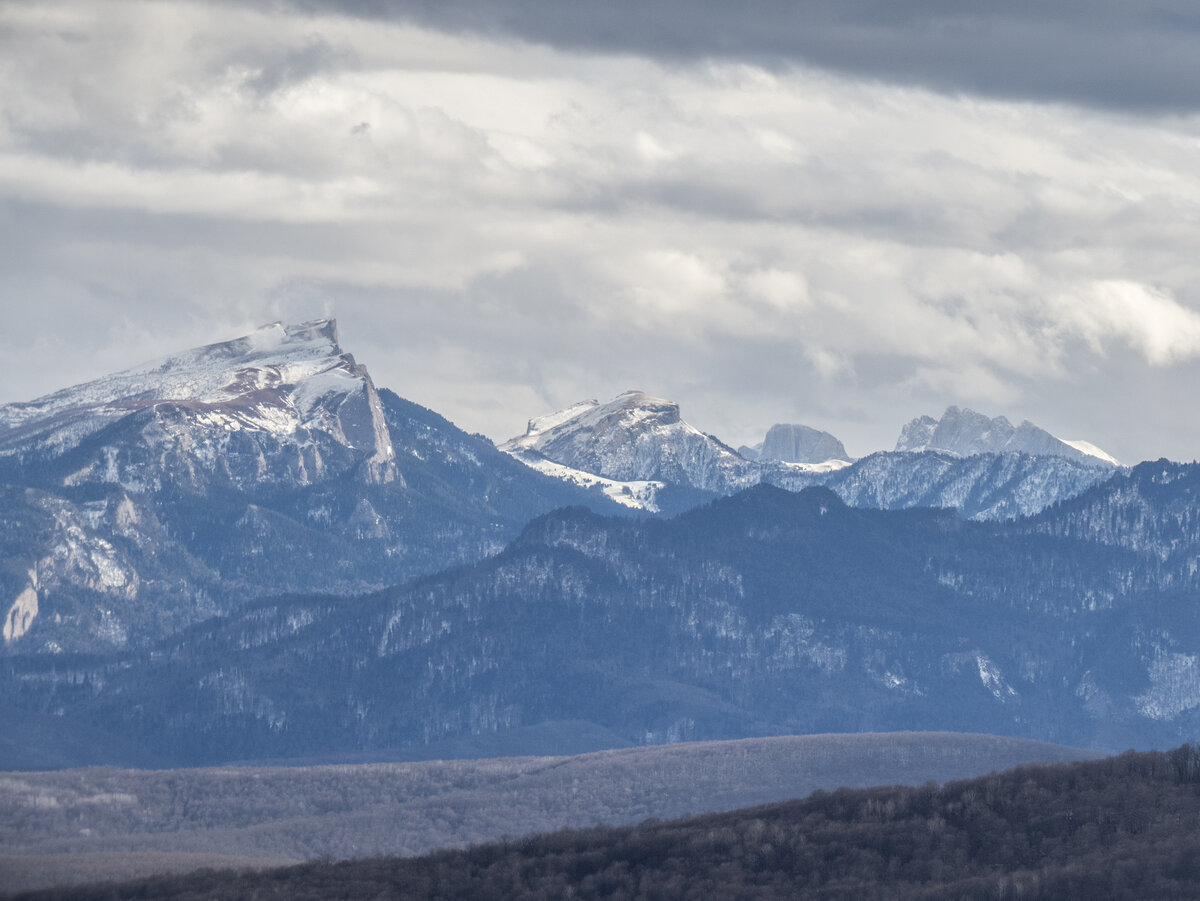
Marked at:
<point>1123,827</point>
<point>74,826</point>
<point>763,613</point>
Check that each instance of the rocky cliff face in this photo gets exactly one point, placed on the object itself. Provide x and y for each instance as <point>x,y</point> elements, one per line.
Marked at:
<point>801,444</point>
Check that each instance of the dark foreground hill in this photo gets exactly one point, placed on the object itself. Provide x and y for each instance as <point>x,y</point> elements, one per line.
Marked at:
<point>1123,827</point>
<point>77,826</point>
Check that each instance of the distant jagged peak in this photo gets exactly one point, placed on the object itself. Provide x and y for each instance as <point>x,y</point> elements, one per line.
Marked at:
<point>917,435</point>
<point>962,432</point>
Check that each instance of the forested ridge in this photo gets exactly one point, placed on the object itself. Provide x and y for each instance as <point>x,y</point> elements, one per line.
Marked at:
<point>72,827</point>
<point>1122,827</point>
<point>765,613</point>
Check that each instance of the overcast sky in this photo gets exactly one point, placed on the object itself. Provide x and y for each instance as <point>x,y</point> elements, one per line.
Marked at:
<point>844,213</point>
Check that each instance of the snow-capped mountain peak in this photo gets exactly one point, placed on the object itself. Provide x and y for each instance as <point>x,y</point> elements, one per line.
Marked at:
<point>216,373</point>
<point>636,448</point>
<point>281,385</point>
<point>635,437</point>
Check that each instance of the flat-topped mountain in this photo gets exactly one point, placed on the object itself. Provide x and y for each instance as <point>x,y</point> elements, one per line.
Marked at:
<point>794,443</point>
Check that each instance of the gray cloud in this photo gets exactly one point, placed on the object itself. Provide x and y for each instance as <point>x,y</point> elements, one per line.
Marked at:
<point>1119,54</point>
<point>289,66</point>
<point>520,226</point>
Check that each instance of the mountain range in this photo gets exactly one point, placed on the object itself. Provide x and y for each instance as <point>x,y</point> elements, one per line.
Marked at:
<point>643,454</point>
<point>248,551</point>
<point>139,503</point>
<point>965,432</point>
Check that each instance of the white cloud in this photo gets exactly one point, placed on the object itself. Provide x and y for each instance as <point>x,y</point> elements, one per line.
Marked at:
<point>782,289</point>
<point>255,195</point>
<point>1150,321</point>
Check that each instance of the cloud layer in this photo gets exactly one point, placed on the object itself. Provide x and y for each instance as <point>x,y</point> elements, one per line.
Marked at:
<point>1116,54</point>
<point>509,215</point>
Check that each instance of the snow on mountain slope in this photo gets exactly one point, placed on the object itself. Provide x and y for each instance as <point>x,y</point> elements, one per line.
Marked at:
<point>981,486</point>
<point>777,469</point>
<point>1090,450</point>
<point>290,389</point>
<point>635,438</point>
<point>638,495</point>
<point>543,424</point>
<point>963,433</point>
